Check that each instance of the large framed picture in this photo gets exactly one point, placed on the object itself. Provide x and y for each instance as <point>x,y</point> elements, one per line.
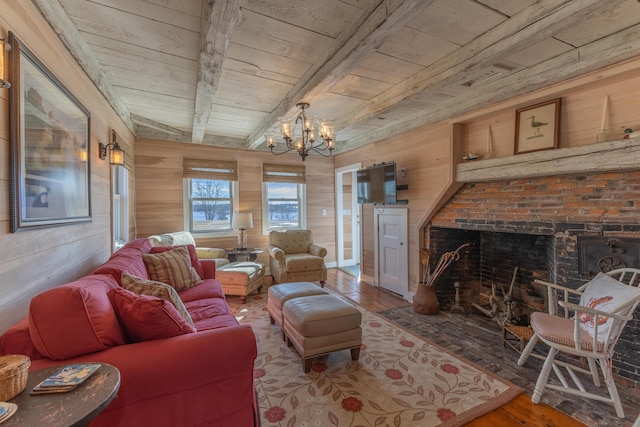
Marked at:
<point>538,127</point>
<point>49,154</point>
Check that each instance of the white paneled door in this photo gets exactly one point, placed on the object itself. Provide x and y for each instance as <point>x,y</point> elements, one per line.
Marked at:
<point>392,250</point>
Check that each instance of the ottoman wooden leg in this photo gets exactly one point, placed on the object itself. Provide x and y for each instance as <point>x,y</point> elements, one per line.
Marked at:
<point>243,299</point>
<point>271,319</point>
<point>355,353</point>
<point>322,283</point>
<point>307,364</point>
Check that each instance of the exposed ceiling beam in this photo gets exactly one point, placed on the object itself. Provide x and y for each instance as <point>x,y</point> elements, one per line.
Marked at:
<point>610,50</point>
<point>218,20</point>
<point>514,34</point>
<point>143,121</point>
<point>388,16</point>
<point>149,132</point>
<point>79,49</point>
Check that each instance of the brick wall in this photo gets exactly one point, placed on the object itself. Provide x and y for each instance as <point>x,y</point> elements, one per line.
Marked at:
<point>561,207</point>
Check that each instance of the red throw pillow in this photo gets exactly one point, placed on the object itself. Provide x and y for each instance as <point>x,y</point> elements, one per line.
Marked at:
<point>145,317</point>
<point>195,262</point>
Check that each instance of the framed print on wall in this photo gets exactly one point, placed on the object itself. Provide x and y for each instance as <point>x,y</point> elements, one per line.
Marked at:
<point>49,147</point>
<point>538,127</point>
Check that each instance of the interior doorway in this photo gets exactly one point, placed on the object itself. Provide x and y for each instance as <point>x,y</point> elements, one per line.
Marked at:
<point>348,216</point>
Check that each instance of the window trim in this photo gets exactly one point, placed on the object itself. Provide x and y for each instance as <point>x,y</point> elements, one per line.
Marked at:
<point>302,202</point>
<point>187,206</point>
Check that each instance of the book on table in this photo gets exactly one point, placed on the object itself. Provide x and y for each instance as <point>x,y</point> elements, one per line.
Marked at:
<point>66,378</point>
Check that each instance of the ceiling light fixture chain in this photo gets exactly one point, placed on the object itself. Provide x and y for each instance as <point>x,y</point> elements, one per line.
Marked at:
<point>306,142</point>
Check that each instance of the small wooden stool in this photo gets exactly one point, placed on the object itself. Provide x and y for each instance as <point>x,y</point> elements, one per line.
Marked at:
<point>520,333</point>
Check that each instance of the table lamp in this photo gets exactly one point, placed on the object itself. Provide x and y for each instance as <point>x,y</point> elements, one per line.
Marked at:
<point>242,221</point>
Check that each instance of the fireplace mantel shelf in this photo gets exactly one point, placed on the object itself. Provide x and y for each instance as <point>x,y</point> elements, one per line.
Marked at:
<point>606,156</point>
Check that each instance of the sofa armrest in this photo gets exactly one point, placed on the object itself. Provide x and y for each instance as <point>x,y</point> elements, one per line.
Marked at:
<point>275,253</point>
<point>202,362</point>
<point>209,266</point>
<point>317,250</point>
<point>210,253</point>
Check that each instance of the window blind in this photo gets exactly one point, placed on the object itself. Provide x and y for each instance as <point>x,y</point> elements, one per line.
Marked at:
<point>210,169</point>
<point>284,173</point>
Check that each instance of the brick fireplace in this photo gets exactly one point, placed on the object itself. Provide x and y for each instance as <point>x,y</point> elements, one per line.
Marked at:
<point>563,229</point>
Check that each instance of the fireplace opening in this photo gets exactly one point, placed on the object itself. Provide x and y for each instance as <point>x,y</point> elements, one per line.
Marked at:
<point>496,264</point>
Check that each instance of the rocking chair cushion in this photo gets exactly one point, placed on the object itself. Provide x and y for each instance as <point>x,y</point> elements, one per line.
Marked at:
<point>604,293</point>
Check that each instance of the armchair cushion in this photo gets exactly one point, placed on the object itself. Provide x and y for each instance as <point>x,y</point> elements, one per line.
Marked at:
<point>605,294</point>
<point>303,262</point>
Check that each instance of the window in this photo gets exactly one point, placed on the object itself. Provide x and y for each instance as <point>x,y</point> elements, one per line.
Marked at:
<point>284,201</point>
<point>120,185</point>
<point>211,194</point>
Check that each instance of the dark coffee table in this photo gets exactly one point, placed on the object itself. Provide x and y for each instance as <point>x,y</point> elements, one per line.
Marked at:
<point>74,408</point>
<point>250,253</point>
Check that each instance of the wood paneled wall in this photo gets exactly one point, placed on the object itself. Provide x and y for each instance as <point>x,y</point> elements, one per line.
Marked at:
<point>35,260</point>
<point>159,189</point>
<point>430,154</point>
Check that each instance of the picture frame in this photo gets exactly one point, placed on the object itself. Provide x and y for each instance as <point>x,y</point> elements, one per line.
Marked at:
<point>538,127</point>
<point>49,147</point>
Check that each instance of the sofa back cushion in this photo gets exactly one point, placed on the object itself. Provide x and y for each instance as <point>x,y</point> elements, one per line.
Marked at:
<point>146,317</point>
<point>17,340</point>
<point>291,241</point>
<point>75,319</point>
<point>127,260</point>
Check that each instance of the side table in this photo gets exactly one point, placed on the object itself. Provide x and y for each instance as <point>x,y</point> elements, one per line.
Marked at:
<point>250,253</point>
<point>74,408</point>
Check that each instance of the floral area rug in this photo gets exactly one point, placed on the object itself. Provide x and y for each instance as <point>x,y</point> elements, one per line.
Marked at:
<point>399,380</point>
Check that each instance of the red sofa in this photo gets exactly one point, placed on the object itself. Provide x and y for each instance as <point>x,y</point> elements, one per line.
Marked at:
<point>202,378</point>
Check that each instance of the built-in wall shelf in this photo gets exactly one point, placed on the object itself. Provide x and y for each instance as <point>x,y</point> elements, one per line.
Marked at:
<point>611,155</point>
<point>402,187</point>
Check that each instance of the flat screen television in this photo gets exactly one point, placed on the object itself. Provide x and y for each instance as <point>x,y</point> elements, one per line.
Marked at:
<point>377,184</point>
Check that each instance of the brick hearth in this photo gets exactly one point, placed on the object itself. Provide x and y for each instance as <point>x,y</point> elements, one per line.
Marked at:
<point>553,214</point>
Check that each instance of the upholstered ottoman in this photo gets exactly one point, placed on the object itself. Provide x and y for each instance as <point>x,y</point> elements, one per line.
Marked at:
<point>322,324</point>
<point>279,294</point>
<point>241,278</point>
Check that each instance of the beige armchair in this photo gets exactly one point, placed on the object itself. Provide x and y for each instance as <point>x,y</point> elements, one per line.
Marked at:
<point>186,238</point>
<point>294,258</point>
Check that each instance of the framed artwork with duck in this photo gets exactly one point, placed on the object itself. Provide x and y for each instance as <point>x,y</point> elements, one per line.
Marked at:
<point>538,127</point>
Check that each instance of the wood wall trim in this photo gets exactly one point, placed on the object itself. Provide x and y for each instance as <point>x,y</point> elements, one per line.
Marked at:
<point>607,156</point>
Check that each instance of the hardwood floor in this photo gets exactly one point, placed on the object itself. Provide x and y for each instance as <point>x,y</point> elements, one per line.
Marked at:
<point>519,412</point>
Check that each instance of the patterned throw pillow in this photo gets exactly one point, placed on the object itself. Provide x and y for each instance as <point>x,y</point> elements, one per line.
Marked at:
<point>173,268</point>
<point>604,293</point>
<point>141,286</point>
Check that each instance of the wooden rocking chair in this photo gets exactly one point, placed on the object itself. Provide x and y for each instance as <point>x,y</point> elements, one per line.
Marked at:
<point>590,329</point>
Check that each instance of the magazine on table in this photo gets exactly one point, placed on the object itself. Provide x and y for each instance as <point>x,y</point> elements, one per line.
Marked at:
<point>66,378</point>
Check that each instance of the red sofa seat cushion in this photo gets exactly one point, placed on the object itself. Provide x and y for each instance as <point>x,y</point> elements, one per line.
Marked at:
<point>210,288</point>
<point>145,317</point>
<point>74,319</point>
<point>127,260</point>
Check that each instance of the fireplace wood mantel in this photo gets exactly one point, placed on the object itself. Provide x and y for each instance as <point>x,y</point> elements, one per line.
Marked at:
<point>606,156</point>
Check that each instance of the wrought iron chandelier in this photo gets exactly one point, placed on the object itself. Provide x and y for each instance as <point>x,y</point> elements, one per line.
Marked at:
<point>306,142</point>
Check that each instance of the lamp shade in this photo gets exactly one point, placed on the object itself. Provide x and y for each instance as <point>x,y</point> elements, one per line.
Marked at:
<point>243,220</point>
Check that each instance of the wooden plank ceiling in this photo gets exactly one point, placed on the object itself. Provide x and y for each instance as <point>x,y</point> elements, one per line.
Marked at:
<point>223,72</point>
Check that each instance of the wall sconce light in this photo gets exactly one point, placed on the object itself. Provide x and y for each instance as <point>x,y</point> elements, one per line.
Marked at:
<point>4,48</point>
<point>116,154</point>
